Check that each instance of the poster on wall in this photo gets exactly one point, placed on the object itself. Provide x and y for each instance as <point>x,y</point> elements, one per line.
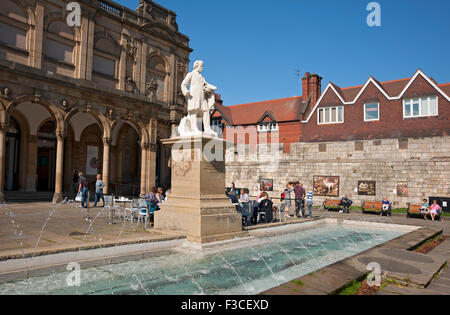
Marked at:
<point>326,186</point>
<point>92,160</point>
<point>266,184</point>
<point>366,188</point>
<point>402,189</point>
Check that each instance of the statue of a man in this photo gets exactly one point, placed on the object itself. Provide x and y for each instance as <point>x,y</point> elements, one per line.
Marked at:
<point>201,100</point>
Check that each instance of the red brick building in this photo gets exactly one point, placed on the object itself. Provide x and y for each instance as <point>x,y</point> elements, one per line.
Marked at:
<point>274,120</point>
<point>411,107</point>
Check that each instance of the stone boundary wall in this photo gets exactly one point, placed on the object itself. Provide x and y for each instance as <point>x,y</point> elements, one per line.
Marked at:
<point>424,163</point>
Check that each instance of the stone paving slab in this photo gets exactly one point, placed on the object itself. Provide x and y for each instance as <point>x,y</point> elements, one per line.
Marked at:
<point>442,250</point>
<point>294,289</point>
<point>404,265</point>
<point>391,289</point>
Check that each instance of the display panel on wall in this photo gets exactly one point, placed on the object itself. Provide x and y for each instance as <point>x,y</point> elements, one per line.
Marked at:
<point>367,188</point>
<point>402,189</point>
<point>92,160</point>
<point>266,184</point>
<point>326,186</point>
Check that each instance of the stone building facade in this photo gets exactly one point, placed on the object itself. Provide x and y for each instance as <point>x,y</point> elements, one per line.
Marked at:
<point>96,98</point>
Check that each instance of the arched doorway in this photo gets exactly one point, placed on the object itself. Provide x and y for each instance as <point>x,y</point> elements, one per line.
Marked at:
<point>46,156</point>
<point>126,164</point>
<point>12,156</point>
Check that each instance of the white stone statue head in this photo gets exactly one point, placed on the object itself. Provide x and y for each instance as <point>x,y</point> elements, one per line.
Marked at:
<point>199,65</point>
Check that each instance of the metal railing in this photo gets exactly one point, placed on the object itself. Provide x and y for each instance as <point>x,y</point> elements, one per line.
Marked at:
<point>109,8</point>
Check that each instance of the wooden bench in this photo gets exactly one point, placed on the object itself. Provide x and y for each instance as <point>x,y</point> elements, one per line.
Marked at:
<point>375,206</point>
<point>332,204</point>
<point>415,210</point>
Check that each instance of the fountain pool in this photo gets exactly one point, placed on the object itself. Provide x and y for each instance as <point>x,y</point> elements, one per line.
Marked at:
<point>270,261</point>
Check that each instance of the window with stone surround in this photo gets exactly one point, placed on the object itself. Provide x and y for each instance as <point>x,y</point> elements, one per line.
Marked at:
<point>13,36</point>
<point>420,107</point>
<point>157,73</point>
<point>13,25</point>
<point>106,57</point>
<point>330,115</point>
<point>59,42</point>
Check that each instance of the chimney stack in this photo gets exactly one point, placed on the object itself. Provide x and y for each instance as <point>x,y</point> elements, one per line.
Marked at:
<point>312,86</point>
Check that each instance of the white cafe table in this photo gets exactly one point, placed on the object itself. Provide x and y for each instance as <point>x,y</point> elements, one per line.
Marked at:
<point>123,200</point>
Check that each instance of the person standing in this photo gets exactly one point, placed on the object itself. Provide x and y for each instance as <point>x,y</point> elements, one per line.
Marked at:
<point>83,189</point>
<point>309,200</point>
<point>288,199</point>
<point>299,192</point>
<point>99,191</point>
<point>75,182</point>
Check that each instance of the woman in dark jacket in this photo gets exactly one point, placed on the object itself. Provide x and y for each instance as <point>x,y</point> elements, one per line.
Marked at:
<point>266,206</point>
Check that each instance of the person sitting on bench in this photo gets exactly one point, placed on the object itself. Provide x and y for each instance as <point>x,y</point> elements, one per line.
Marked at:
<point>346,203</point>
<point>424,210</point>
<point>435,210</point>
<point>385,207</point>
<point>266,206</point>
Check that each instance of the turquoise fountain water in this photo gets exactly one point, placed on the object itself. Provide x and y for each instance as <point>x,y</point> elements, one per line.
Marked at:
<point>249,270</point>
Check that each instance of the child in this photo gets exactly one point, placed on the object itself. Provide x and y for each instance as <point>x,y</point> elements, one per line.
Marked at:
<point>309,199</point>
<point>424,210</point>
<point>386,205</point>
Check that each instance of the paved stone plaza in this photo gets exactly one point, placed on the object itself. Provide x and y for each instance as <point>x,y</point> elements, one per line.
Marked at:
<point>63,229</point>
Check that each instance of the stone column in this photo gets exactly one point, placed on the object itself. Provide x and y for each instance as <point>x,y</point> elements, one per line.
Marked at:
<point>58,196</point>
<point>2,162</point>
<point>144,149</point>
<point>31,168</point>
<point>151,165</point>
<point>105,176</point>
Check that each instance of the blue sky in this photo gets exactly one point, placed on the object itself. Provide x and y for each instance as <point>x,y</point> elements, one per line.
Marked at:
<point>252,48</point>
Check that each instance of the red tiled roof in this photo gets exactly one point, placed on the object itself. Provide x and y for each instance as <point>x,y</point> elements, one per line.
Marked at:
<point>445,88</point>
<point>392,88</point>
<point>282,110</point>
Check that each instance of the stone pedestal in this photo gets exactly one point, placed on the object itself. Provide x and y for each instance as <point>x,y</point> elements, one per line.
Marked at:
<point>197,205</point>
